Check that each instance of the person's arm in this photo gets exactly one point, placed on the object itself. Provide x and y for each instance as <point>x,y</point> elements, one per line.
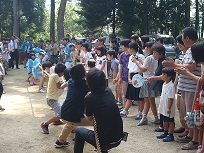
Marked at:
<point>141,67</point>
<point>103,65</point>
<point>176,80</point>
<point>129,79</point>
<point>185,71</point>
<point>152,78</point>
<point>120,73</point>
<point>90,118</point>
<point>171,100</point>
<point>64,85</point>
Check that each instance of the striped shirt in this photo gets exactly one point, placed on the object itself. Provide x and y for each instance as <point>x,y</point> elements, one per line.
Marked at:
<point>185,83</point>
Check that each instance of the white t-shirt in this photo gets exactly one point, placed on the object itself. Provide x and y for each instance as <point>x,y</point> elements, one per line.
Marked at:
<point>87,56</point>
<point>99,63</point>
<point>150,63</point>
<point>132,66</point>
<point>168,91</point>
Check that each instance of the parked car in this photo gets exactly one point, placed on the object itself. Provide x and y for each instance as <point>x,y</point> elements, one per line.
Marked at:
<point>169,43</point>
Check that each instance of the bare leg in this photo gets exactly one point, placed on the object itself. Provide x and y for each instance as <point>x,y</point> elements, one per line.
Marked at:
<point>42,80</point>
<point>128,105</point>
<point>153,107</point>
<point>53,119</point>
<point>145,109</point>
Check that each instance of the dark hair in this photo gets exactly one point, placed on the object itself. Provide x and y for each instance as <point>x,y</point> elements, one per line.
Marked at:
<point>91,63</point>
<point>59,68</point>
<point>119,52</point>
<point>96,80</point>
<point>149,44</point>
<point>145,39</point>
<point>78,72</point>
<point>125,42</point>
<point>134,37</point>
<point>46,64</point>
<point>41,53</point>
<point>197,51</point>
<point>71,45</point>
<point>67,74</point>
<point>190,32</point>
<point>101,40</point>
<point>179,39</point>
<point>160,39</point>
<point>136,47</point>
<point>79,43</point>
<point>114,41</point>
<point>169,72</point>
<point>158,48</point>
<point>31,54</point>
<point>111,53</point>
<point>102,49</point>
<point>86,45</point>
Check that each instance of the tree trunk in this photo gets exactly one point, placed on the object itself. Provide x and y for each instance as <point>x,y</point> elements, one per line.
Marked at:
<point>52,20</point>
<point>187,13</point>
<point>15,18</point>
<point>60,19</point>
<point>197,16</point>
<point>113,25</point>
<point>202,27</point>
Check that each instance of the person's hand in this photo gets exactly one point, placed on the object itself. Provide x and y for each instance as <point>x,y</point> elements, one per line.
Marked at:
<point>168,63</point>
<point>150,79</point>
<point>181,70</point>
<point>168,111</point>
<point>129,81</point>
<point>120,80</point>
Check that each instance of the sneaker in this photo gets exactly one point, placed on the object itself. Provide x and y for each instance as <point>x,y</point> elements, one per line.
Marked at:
<point>123,113</point>
<point>157,121</point>
<point>138,117</point>
<point>190,146</point>
<point>44,127</point>
<point>141,123</point>
<point>41,91</point>
<point>159,129</point>
<point>44,86</point>
<point>161,136</point>
<point>60,145</point>
<point>168,138</point>
<point>118,103</point>
<point>185,139</point>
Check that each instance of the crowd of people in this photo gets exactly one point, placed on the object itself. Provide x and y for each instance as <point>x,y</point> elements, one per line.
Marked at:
<point>73,64</point>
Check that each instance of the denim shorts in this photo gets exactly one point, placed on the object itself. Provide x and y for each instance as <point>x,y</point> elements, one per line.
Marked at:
<point>56,106</point>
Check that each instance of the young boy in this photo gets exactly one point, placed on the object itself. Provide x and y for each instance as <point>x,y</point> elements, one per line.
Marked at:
<point>111,56</point>
<point>109,136</point>
<point>37,71</point>
<point>72,110</point>
<point>167,104</point>
<point>52,95</point>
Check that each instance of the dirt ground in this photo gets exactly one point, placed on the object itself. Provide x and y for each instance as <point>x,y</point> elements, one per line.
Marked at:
<point>26,109</point>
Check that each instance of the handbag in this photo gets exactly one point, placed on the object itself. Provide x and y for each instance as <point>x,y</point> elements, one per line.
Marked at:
<point>193,118</point>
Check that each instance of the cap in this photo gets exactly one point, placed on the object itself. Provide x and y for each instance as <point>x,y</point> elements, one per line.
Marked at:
<point>95,41</point>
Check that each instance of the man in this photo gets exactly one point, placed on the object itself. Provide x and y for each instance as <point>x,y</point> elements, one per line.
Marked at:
<point>13,48</point>
<point>109,125</point>
<point>26,48</point>
<point>187,85</point>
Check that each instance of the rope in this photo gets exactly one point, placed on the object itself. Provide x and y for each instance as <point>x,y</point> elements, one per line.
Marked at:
<point>98,146</point>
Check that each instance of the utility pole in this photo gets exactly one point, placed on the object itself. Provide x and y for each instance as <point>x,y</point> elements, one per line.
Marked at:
<point>15,18</point>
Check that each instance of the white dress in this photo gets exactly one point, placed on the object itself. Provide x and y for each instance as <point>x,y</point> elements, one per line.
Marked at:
<point>168,91</point>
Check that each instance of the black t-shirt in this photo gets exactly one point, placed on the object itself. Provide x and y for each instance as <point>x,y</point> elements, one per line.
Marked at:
<point>156,85</point>
<point>106,112</point>
<point>73,107</point>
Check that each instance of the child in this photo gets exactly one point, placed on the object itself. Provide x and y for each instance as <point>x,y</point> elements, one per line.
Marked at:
<point>101,62</point>
<point>132,92</point>
<point>111,56</point>
<point>1,92</point>
<point>167,104</point>
<point>123,70</point>
<point>87,54</point>
<point>91,64</point>
<point>67,77</point>
<point>72,110</point>
<point>52,95</point>
<point>73,54</point>
<point>29,66</point>
<point>38,72</point>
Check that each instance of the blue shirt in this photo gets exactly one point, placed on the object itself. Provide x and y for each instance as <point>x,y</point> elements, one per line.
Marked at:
<point>68,52</point>
<point>114,64</point>
<point>73,108</point>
